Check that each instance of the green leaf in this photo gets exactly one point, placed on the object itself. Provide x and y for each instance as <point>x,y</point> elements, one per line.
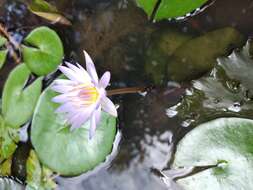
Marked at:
<point>199,55</point>
<point>18,103</point>
<point>8,139</point>
<point>225,147</point>
<point>5,167</point>
<point>38,177</point>
<point>170,8</point>
<point>3,53</point>
<point>69,152</point>
<point>227,91</point>
<point>10,184</point>
<point>46,52</point>
<point>47,11</point>
<point>148,6</point>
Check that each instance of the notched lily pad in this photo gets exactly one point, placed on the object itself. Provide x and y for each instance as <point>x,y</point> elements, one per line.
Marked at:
<point>69,152</point>
<point>224,146</point>
<point>38,177</point>
<point>169,8</point>
<point>45,52</point>
<point>18,103</point>
<point>227,91</point>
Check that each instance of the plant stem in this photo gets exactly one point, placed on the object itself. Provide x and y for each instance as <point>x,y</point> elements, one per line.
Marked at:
<point>130,90</point>
<point>11,42</point>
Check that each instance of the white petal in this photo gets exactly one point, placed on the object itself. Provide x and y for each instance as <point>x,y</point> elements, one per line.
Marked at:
<point>92,129</point>
<point>64,82</point>
<point>105,79</point>
<point>90,67</point>
<point>71,74</point>
<point>62,88</point>
<point>98,114</point>
<point>109,107</point>
<point>81,73</point>
<point>79,119</point>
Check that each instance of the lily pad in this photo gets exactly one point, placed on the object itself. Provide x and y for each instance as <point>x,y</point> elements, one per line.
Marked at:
<point>226,91</point>
<point>9,184</point>
<point>69,152</point>
<point>199,55</point>
<point>18,101</point>
<point>225,147</point>
<point>45,52</point>
<point>38,177</point>
<point>47,11</point>
<point>3,53</point>
<point>169,8</point>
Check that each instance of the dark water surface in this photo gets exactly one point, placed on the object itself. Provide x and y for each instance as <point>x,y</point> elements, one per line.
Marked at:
<point>116,34</point>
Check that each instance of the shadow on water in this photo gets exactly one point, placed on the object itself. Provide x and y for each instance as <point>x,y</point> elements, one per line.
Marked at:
<point>116,33</point>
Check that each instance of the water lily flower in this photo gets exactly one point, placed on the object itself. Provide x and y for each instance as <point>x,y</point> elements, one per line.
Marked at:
<point>83,95</point>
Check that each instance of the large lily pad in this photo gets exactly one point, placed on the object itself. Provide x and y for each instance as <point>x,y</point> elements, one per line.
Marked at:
<point>225,147</point>
<point>226,91</point>
<point>169,8</point>
<point>45,51</point>
<point>18,102</point>
<point>69,152</point>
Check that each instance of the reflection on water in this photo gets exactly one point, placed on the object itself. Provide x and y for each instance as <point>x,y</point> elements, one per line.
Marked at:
<point>116,33</point>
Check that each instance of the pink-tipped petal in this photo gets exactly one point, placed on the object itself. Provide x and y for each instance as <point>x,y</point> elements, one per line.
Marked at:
<point>90,67</point>
<point>105,79</point>
<point>92,129</point>
<point>109,107</point>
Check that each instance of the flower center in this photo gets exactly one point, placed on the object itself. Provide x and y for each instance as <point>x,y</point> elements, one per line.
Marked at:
<point>88,95</point>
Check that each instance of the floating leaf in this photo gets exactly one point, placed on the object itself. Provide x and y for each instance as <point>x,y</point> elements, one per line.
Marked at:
<point>8,139</point>
<point>46,52</point>
<point>224,147</point>
<point>5,167</point>
<point>9,184</point>
<point>169,8</point>
<point>38,177</point>
<point>228,91</point>
<point>199,55</point>
<point>18,102</point>
<point>47,11</point>
<point>64,151</point>
<point>3,53</point>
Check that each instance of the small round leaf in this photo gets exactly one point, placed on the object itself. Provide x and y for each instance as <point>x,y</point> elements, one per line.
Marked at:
<point>45,51</point>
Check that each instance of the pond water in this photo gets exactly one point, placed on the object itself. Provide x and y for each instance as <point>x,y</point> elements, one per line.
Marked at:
<point>116,33</point>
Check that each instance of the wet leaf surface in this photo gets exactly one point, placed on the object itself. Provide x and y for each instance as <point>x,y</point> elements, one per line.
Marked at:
<point>69,152</point>
<point>18,103</point>
<point>3,53</point>
<point>225,146</point>
<point>227,91</point>
<point>46,52</point>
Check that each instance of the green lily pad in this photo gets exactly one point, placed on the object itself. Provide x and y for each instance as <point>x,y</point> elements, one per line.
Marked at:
<point>9,184</point>
<point>227,91</point>
<point>199,55</point>
<point>3,53</point>
<point>225,146</point>
<point>38,177</point>
<point>45,52</point>
<point>18,102</point>
<point>170,8</point>
<point>69,152</point>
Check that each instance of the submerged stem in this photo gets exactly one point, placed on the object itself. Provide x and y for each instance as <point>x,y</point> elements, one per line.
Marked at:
<point>130,90</point>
